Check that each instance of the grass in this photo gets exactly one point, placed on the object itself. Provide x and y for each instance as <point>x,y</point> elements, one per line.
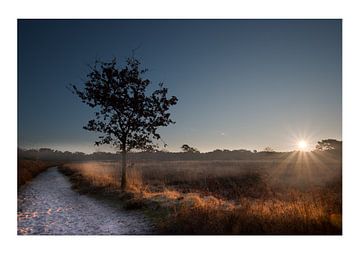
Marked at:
<point>297,195</point>
<point>28,169</point>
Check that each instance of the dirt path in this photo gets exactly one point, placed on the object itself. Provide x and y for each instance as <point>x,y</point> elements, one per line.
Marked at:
<point>48,206</point>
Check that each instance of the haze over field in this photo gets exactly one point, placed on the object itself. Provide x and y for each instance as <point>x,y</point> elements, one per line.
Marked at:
<point>240,83</point>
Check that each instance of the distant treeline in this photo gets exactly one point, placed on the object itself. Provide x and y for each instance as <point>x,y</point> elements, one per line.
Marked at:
<point>242,154</point>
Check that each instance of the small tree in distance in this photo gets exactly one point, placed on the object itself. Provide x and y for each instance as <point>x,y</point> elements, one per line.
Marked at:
<point>268,149</point>
<point>188,149</point>
<point>126,116</point>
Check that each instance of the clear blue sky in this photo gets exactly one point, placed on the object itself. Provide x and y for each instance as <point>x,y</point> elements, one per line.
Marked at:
<point>240,83</point>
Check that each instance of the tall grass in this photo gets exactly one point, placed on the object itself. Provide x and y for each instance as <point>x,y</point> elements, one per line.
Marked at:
<point>228,197</point>
<point>28,169</point>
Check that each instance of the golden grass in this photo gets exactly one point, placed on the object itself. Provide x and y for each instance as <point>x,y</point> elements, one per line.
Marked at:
<point>253,217</point>
<point>28,169</point>
<point>228,197</point>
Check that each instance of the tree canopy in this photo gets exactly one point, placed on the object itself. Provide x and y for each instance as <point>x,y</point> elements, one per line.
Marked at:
<point>188,149</point>
<point>329,144</point>
<point>126,116</point>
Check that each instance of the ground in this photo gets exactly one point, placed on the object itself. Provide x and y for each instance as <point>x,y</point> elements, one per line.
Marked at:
<point>48,206</point>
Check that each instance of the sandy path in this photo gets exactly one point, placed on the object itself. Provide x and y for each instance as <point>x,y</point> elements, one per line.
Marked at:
<point>48,206</point>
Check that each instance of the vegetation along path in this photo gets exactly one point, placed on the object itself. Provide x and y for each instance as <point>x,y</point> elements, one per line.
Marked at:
<point>47,205</point>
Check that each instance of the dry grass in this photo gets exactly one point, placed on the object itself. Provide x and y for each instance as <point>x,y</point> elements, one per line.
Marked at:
<point>28,169</point>
<point>293,196</point>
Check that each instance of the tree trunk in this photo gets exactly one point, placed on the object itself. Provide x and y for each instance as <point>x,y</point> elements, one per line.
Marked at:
<point>123,170</point>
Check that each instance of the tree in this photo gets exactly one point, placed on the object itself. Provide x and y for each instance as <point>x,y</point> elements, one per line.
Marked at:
<point>268,149</point>
<point>188,149</point>
<point>328,144</point>
<point>127,116</point>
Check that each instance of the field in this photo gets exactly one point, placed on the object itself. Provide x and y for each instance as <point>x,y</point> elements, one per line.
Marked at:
<point>298,194</point>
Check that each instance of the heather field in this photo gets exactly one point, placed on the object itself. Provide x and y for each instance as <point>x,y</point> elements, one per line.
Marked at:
<point>298,194</point>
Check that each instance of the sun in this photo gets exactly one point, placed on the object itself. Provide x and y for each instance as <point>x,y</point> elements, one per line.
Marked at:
<point>302,145</point>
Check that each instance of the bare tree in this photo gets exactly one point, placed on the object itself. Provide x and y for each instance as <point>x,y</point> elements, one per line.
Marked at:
<point>127,116</point>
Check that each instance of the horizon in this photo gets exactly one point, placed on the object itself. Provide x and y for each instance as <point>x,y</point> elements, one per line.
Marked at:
<point>310,149</point>
<point>240,83</point>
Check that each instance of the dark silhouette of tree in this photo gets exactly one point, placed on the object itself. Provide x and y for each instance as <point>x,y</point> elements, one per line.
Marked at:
<point>188,149</point>
<point>126,114</point>
<point>268,149</point>
<point>329,144</point>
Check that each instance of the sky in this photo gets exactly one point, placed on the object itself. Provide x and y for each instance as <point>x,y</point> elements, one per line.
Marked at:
<point>241,84</point>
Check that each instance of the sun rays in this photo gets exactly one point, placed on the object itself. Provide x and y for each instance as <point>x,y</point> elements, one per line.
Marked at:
<point>304,168</point>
